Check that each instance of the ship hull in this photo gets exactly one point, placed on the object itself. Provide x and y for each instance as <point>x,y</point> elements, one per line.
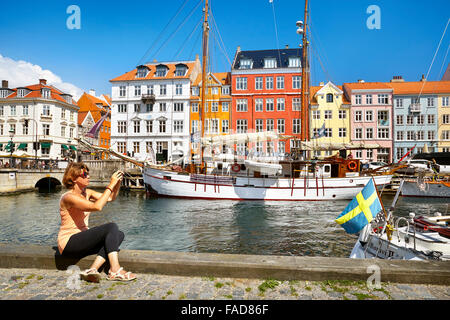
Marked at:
<point>172,184</point>
<point>427,189</point>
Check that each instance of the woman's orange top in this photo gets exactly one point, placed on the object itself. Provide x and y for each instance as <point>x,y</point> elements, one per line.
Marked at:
<point>73,221</point>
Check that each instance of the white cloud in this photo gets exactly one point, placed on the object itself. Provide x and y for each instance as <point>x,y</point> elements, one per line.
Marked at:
<point>22,73</point>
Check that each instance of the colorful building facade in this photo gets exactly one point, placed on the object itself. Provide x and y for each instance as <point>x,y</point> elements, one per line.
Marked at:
<point>371,119</point>
<point>329,117</point>
<point>266,96</point>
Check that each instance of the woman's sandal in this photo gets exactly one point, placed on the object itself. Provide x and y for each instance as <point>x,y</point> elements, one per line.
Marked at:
<point>117,276</point>
<point>90,275</point>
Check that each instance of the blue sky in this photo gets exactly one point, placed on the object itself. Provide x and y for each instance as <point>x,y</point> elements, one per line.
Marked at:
<point>115,36</point>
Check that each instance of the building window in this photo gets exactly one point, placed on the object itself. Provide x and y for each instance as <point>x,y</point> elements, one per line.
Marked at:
<point>258,83</point>
<point>270,63</point>
<point>296,104</point>
<point>259,125</point>
<point>149,107</point>
<point>13,110</point>
<point>430,102</point>
<point>226,90</point>
<point>383,99</point>
<point>241,105</point>
<point>137,126</point>
<point>122,126</point>
<point>194,107</point>
<point>180,71</point>
<point>121,108</point>
<point>296,84</point>
<point>45,129</point>
<point>369,115</point>
<point>280,82</point>
<point>294,62</point>
<point>214,107</point>
<point>296,125</point>
<point>431,119</point>
<point>328,114</point>
<point>328,132</point>
<point>358,133</point>
<point>136,147</point>
<point>368,99</point>
<point>178,126</point>
<point>137,107</point>
<point>178,107</point>
<point>245,64</point>
<point>358,116</point>
<point>399,103</point>
<point>329,97</point>
<point>269,83</point>
<point>162,126</point>
<point>269,105</point>
<point>399,120</point>
<point>46,93</point>
<point>160,72</point>
<point>400,136</point>
<point>163,89</point>
<point>431,135</point>
<point>25,110</point>
<point>342,114</point>
<point>342,132</point>
<point>241,126</point>
<point>162,107</point>
<point>225,126</point>
<point>281,126</point>
<point>270,125</point>
<point>45,110</point>
<point>122,91</point>
<point>383,133</point>
<point>137,91</point>
<point>445,101</point>
<point>316,115</point>
<point>178,89</point>
<point>225,106</point>
<point>410,135</point>
<point>122,147</point>
<point>280,104</point>
<point>241,83</point>
<point>446,119</point>
<point>149,126</point>
<point>446,135</point>
<point>369,133</point>
<point>420,119</point>
<point>358,99</point>
<point>409,120</point>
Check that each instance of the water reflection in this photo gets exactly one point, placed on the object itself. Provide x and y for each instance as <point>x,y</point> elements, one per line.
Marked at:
<point>249,227</point>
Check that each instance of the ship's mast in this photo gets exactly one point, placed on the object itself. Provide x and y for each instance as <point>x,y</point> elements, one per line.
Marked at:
<point>304,136</point>
<point>203,88</point>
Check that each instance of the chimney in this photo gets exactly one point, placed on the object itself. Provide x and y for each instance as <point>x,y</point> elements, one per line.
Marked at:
<point>92,92</point>
<point>287,46</point>
<point>397,79</point>
<point>360,81</point>
<point>43,82</point>
<point>4,83</point>
<point>423,78</point>
<point>154,60</point>
<point>238,49</point>
<point>321,84</point>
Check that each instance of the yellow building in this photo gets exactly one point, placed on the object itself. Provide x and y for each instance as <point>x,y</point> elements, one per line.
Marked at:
<point>217,107</point>
<point>444,120</point>
<point>329,117</point>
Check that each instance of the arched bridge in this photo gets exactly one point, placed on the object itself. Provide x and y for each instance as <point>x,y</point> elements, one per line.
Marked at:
<point>12,180</point>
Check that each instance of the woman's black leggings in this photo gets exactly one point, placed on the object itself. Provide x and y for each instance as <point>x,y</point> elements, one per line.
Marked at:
<point>99,240</point>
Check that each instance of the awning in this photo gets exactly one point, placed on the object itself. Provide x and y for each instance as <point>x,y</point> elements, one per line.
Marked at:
<point>65,147</point>
<point>46,144</point>
<point>73,148</point>
<point>9,145</point>
<point>22,146</point>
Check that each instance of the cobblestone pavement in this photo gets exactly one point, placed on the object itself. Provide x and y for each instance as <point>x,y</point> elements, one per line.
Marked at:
<point>35,284</point>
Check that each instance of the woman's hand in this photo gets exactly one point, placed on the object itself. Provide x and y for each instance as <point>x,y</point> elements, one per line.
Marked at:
<point>117,177</point>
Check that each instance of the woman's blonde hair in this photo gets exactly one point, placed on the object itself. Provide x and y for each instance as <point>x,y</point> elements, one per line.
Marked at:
<point>73,171</point>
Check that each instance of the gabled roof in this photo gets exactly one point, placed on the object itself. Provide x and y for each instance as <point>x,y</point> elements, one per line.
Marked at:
<point>424,87</point>
<point>131,75</point>
<point>446,76</point>
<point>257,56</point>
<point>222,78</point>
<point>90,103</point>
<point>314,90</point>
<point>35,91</point>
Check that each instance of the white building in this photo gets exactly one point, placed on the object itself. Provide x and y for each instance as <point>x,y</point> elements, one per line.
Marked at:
<point>38,115</point>
<point>150,109</point>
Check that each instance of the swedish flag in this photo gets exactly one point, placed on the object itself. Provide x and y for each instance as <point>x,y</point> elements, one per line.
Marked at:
<point>361,210</point>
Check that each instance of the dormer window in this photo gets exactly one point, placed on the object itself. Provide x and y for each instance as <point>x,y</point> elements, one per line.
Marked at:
<point>46,93</point>
<point>246,64</point>
<point>294,62</point>
<point>270,63</point>
<point>21,93</point>
<point>180,70</point>
<point>142,72</point>
<point>161,71</point>
<point>4,93</point>
<point>67,98</point>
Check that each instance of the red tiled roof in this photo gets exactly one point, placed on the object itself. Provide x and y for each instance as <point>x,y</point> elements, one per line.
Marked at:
<point>424,87</point>
<point>35,92</point>
<point>170,74</point>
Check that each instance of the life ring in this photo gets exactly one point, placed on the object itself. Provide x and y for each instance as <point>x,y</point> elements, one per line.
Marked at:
<point>352,165</point>
<point>235,167</point>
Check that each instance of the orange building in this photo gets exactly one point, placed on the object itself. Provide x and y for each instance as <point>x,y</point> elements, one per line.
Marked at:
<point>217,106</point>
<point>92,108</point>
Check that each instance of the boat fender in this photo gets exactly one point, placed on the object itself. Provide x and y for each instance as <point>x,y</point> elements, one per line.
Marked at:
<point>352,165</point>
<point>235,167</point>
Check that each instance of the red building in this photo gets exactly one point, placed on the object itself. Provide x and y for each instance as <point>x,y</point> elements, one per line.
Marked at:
<point>266,96</point>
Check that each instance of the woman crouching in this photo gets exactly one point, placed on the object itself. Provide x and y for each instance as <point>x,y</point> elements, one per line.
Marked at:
<point>75,238</point>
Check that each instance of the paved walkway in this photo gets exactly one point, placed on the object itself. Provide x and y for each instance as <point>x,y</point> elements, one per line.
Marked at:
<point>35,284</point>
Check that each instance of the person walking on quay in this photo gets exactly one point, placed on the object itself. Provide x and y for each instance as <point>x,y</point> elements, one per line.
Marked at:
<point>75,239</point>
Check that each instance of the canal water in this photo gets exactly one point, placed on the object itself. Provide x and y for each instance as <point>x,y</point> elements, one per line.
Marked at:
<point>242,227</point>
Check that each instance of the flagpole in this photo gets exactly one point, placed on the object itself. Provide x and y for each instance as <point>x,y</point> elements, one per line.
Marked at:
<point>382,206</point>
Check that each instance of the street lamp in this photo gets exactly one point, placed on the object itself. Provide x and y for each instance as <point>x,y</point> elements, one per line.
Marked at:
<point>11,146</point>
